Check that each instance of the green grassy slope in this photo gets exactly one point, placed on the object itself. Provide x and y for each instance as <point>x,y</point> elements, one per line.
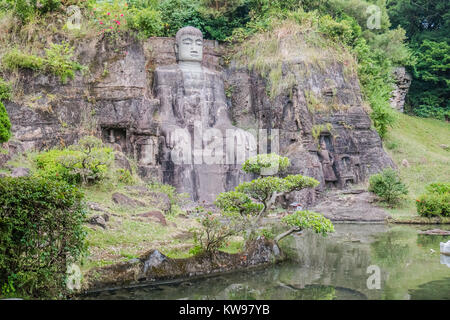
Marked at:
<point>425,144</point>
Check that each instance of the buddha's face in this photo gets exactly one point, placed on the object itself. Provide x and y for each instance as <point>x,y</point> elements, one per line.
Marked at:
<point>190,48</point>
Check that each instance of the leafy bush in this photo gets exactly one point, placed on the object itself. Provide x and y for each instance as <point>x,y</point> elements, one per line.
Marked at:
<point>387,186</point>
<point>435,201</point>
<point>124,176</point>
<point>58,61</point>
<point>5,124</point>
<point>25,9</point>
<point>214,233</point>
<point>15,59</point>
<point>438,187</point>
<point>146,21</point>
<point>237,202</point>
<point>5,90</point>
<point>41,233</point>
<point>111,16</point>
<point>309,220</point>
<point>266,164</point>
<point>85,162</point>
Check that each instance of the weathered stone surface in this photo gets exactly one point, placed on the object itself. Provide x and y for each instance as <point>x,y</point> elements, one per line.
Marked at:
<point>122,162</point>
<point>98,220</point>
<point>20,172</point>
<point>123,200</point>
<point>155,199</point>
<point>134,105</point>
<point>96,206</point>
<point>402,83</point>
<point>338,206</point>
<point>156,216</point>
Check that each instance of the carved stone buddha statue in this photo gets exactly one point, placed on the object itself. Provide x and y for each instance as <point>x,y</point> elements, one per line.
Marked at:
<point>194,118</point>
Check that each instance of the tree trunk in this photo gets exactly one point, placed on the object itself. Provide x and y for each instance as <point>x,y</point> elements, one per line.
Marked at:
<point>285,234</point>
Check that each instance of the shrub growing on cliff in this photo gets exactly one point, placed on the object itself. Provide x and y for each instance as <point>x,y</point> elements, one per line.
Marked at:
<point>58,61</point>
<point>85,162</point>
<point>41,233</point>
<point>5,90</point>
<point>435,201</point>
<point>5,124</point>
<point>266,164</point>
<point>388,186</point>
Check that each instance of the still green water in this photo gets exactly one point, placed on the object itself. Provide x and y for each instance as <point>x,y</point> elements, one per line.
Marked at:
<point>335,267</point>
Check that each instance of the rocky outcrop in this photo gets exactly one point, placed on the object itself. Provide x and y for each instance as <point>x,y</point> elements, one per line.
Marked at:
<point>154,266</point>
<point>402,83</point>
<point>123,200</point>
<point>120,101</point>
<point>350,206</point>
<point>320,122</point>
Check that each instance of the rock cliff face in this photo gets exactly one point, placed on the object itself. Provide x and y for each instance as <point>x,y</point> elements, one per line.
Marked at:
<point>119,101</point>
<point>402,83</point>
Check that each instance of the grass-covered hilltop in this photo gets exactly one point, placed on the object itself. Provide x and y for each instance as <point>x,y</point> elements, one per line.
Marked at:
<point>78,85</point>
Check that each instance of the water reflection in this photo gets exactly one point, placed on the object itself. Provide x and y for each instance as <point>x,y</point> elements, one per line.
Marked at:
<point>325,269</point>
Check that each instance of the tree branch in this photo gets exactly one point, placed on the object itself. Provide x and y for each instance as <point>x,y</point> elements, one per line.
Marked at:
<point>285,234</point>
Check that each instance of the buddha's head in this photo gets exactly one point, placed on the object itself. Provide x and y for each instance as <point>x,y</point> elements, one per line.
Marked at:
<point>189,44</point>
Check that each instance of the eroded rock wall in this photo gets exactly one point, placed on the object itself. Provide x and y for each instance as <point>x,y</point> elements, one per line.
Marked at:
<point>116,100</point>
<point>322,122</point>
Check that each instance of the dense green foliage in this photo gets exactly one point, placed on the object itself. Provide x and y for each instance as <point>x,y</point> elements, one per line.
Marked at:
<point>41,234</point>
<point>58,61</point>
<point>237,202</point>
<point>388,186</point>
<point>309,220</point>
<point>85,162</point>
<point>266,164</point>
<point>5,90</point>
<point>5,124</point>
<point>377,48</point>
<point>435,201</point>
<point>427,24</point>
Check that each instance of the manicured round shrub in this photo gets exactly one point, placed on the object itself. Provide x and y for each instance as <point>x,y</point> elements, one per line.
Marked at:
<point>5,124</point>
<point>266,164</point>
<point>41,233</point>
<point>309,220</point>
<point>88,161</point>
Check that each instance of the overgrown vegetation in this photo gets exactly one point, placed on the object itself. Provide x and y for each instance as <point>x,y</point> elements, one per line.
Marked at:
<point>427,25</point>
<point>420,149</point>
<point>5,124</point>
<point>345,28</point>
<point>435,201</point>
<point>86,162</point>
<point>41,233</point>
<point>58,61</point>
<point>388,186</point>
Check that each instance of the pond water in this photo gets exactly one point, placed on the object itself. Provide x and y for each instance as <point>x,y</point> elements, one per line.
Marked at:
<point>335,267</point>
